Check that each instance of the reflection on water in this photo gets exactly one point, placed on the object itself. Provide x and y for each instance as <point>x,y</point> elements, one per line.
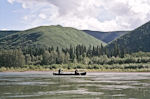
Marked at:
<point>43,85</point>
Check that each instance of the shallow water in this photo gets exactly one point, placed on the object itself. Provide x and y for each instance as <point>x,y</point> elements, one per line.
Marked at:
<point>43,85</point>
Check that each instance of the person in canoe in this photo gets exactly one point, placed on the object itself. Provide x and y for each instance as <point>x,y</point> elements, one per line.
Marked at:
<point>76,71</point>
<point>59,71</point>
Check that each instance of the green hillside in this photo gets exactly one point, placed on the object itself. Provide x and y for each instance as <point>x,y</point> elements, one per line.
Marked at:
<point>48,36</point>
<point>136,40</point>
<point>6,33</point>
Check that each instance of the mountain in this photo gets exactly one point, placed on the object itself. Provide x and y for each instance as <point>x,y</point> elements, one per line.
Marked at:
<point>136,40</point>
<point>105,36</point>
<point>48,36</point>
<point>6,33</point>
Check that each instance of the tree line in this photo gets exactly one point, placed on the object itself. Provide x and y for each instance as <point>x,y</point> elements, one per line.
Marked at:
<point>78,54</point>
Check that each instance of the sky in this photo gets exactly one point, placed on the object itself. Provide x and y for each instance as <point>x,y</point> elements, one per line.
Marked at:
<point>98,15</point>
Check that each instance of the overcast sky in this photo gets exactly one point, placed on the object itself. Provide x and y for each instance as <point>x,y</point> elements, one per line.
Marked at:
<point>100,15</point>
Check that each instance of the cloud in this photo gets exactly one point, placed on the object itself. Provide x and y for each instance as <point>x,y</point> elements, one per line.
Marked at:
<point>102,15</point>
<point>43,16</point>
<point>4,29</point>
<point>11,1</point>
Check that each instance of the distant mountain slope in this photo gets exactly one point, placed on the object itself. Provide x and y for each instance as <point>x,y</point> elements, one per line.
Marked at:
<point>49,36</point>
<point>136,40</point>
<point>6,33</point>
<point>105,36</point>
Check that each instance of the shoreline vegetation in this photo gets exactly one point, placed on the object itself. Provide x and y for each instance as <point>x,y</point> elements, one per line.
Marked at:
<point>66,70</point>
<point>81,67</point>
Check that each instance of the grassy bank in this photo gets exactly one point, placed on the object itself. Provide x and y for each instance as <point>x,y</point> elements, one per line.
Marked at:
<point>133,67</point>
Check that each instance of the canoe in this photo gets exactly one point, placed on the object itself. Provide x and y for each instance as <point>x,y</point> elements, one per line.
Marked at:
<point>84,73</point>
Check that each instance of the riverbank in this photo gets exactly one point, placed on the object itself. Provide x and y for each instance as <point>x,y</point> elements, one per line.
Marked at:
<point>136,67</point>
<point>70,70</point>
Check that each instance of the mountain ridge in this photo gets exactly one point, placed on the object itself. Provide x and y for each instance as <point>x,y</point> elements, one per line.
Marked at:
<point>106,36</point>
<point>134,41</point>
<point>49,36</point>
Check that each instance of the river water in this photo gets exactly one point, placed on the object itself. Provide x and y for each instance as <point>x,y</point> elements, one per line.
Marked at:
<point>43,85</point>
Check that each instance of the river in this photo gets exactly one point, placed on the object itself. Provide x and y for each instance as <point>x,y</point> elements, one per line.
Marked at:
<point>43,85</point>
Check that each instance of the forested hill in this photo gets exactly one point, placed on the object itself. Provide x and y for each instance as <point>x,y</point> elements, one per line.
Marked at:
<point>136,40</point>
<point>48,36</point>
<point>6,33</point>
<point>106,36</point>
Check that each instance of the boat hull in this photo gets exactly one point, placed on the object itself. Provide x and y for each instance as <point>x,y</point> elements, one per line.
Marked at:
<point>84,73</point>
